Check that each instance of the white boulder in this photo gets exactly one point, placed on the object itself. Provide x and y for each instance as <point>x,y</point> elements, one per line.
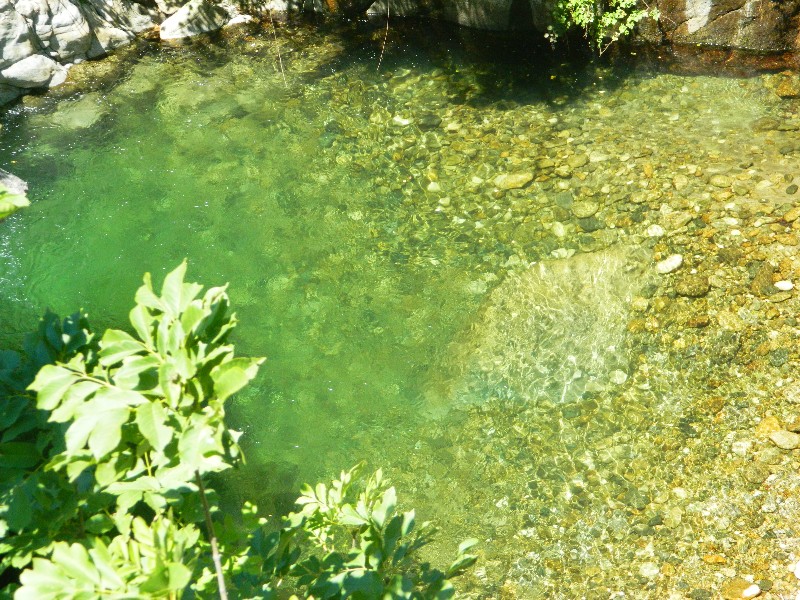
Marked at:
<point>16,39</point>
<point>193,18</point>
<point>34,71</point>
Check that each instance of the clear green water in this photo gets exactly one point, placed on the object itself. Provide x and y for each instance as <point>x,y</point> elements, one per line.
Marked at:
<point>372,261</point>
<point>205,154</point>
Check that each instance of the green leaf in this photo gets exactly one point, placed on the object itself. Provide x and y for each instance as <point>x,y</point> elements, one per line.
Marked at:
<point>76,465</point>
<point>409,520</point>
<point>400,587</point>
<point>51,383</point>
<point>19,455</point>
<point>122,465</point>
<point>349,516</point>
<point>103,561</point>
<point>43,581</point>
<point>466,545</point>
<point>199,448</point>
<point>192,316</point>
<point>9,362</point>
<point>391,536</point>
<point>170,383</point>
<point>75,334</point>
<point>463,560</point>
<point>362,583</point>
<point>176,338</point>
<point>445,592</point>
<point>185,365</point>
<point>73,400</point>
<point>13,410</point>
<point>106,436</point>
<point>142,322</point>
<point>172,290</point>
<point>152,422</point>
<point>99,427</point>
<point>138,372</point>
<point>170,577</point>
<point>19,513</point>
<point>175,478</point>
<point>233,375</point>
<point>78,433</point>
<point>118,397</point>
<point>75,559</point>
<point>386,508</point>
<point>99,523</point>
<point>117,345</point>
<point>11,203</point>
<point>460,565</point>
<point>146,297</point>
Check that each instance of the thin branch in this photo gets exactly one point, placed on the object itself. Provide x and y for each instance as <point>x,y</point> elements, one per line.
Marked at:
<point>223,593</point>
<point>277,47</point>
<point>385,35</point>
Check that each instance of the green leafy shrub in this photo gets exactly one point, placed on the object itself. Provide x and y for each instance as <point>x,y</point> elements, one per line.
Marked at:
<point>602,21</point>
<point>106,445</point>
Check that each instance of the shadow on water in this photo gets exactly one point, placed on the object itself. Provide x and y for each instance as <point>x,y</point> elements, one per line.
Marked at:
<point>519,66</point>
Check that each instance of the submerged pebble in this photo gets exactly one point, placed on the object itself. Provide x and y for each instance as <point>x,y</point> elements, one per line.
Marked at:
<point>669,264</point>
<point>786,440</point>
<point>511,181</point>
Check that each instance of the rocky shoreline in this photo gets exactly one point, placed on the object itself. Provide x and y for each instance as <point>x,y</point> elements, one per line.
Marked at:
<point>41,39</point>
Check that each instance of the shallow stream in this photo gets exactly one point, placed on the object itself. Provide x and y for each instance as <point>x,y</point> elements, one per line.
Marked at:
<point>460,266</point>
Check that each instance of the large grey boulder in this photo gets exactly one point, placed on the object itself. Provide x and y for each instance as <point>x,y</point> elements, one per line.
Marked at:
<point>115,23</point>
<point>60,27</point>
<point>16,38</point>
<point>193,18</point>
<point>34,71</point>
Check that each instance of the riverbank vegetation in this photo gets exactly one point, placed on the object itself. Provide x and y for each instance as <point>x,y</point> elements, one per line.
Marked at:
<point>602,23</point>
<point>110,448</point>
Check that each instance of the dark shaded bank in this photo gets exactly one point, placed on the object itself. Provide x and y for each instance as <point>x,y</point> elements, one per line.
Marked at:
<point>37,48</point>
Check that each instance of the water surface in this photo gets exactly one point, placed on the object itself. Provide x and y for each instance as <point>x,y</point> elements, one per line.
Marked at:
<point>383,270</point>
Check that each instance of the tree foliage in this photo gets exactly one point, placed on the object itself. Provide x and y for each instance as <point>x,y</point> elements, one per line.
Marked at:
<point>106,445</point>
<point>603,22</point>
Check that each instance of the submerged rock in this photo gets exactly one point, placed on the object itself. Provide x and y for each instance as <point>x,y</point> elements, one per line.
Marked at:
<point>80,114</point>
<point>762,283</point>
<point>669,264</point>
<point>511,181</point>
<point>558,328</point>
<point>739,589</point>
<point>788,86</point>
<point>693,286</point>
<point>583,209</point>
<point>785,440</point>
